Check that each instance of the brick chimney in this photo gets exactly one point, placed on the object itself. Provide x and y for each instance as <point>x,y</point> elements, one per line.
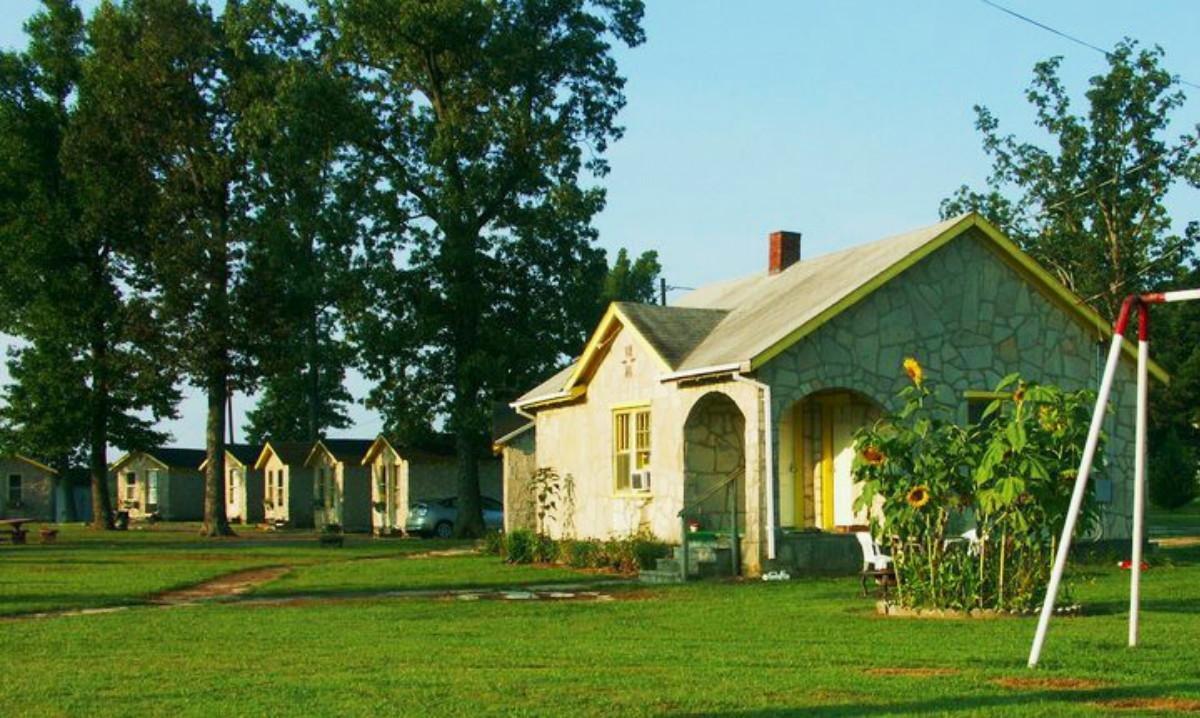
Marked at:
<point>784,251</point>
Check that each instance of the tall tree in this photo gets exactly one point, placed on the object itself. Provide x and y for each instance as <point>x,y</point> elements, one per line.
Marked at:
<point>310,205</point>
<point>1092,208</point>
<point>633,280</point>
<point>71,221</point>
<point>188,92</point>
<point>490,117</point>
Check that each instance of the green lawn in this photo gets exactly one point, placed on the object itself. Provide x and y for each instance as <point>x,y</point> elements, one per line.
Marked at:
<point>87,568</point>
<point>805,647</point>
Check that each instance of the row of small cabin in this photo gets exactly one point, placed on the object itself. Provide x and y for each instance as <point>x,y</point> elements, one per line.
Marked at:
<point>357,484</point>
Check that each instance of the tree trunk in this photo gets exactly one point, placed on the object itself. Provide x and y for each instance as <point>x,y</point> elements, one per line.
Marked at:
<point>102,510</point>
<point>215,521</point>
<point>470,508</point>
<point>217,367</point>
<point>463,303</point>
<point>314,378</point>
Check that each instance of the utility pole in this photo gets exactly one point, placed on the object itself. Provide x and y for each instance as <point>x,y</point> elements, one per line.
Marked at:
<point>662,290</point>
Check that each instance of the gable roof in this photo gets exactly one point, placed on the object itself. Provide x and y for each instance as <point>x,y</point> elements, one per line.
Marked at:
<point>32,462</point>
<point>409,452</point>
<point>346,451</point>
<point>763,314</point>
<point>244,454</point>
<point>289,452</point>
<point>168,457</point>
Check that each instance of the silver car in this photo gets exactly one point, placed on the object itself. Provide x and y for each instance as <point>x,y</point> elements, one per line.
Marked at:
<point>436,517</point>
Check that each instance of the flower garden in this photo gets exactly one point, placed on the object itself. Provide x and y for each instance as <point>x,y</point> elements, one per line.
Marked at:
<point>970,511</point>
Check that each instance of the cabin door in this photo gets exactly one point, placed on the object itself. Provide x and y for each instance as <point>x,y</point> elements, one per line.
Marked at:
<point>825,424</point>
<point>235,494</point>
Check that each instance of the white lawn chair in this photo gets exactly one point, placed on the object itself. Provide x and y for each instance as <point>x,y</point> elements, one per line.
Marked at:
<point>876,564</point>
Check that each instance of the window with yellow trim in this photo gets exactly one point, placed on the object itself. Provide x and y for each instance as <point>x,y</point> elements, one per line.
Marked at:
<point>631,449</point>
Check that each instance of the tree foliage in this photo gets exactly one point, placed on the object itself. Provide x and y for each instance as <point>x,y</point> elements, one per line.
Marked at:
<point>1092,208</point>
<point>489,119</point>
<point>190,95</point>
<point>72,225</point>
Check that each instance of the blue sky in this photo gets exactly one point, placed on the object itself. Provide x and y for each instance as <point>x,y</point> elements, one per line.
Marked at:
<point>847,121</point>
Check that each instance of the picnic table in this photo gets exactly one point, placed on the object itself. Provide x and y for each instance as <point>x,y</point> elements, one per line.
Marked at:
<point>15,531</point>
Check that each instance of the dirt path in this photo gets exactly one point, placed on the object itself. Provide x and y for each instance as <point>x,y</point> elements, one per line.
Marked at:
<point>228,586</point>
<point>232,587</point>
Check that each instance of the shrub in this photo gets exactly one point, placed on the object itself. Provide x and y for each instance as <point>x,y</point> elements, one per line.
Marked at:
<point>519,546</point>
<point>1173,469</point>
<point>493,543</point>
<point>1012,474</point>
<point>545,549</point>
<point>582,553</point>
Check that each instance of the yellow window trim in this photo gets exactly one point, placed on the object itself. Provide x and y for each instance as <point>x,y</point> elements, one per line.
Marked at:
<point>626,406</point>
<point>979,395</point>
<point>630,409</point>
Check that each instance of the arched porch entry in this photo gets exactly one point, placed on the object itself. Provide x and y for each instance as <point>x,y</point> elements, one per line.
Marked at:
<point>714,459</point>
<point>816,457</point>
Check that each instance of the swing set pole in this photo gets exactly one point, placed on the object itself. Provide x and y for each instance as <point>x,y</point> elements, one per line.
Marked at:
<point>1141,303</point>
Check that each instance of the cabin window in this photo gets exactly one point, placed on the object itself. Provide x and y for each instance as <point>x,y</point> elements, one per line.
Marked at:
<point>131,486</point>
<point>279,487</point>
<point>14,489</point>
<point>151,490</point>
<point>631,449</point>
<point>977,404</point>
<point>234,479</point>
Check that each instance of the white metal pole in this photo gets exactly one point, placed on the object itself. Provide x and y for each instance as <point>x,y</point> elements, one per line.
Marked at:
<point>1085,467</point>
<point>1139,487</point>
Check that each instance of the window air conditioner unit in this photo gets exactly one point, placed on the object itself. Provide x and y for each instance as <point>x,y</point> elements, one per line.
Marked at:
<point>640,481</point>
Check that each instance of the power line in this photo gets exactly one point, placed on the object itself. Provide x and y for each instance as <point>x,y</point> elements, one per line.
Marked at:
<point>1066,36</point>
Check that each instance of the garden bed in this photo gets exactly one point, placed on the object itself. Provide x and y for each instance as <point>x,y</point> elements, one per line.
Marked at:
<point>887,608</point>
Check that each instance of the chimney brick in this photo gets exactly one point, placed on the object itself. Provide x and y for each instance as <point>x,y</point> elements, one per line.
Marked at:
<point>784,251</point>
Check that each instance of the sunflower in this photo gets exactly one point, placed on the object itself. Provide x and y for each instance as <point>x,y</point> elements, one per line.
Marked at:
<point>918,496</point>
<point>873,456</point>
<point>913,368</point>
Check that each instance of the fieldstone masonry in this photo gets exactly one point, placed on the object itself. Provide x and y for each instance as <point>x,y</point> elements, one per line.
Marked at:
<point>970,319</point>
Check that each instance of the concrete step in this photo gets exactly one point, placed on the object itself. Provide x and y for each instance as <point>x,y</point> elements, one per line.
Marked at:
<point>660,577</point>
<point>673,565</point>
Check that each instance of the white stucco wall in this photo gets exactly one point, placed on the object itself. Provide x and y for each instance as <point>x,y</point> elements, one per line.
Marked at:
<point>577,441</point>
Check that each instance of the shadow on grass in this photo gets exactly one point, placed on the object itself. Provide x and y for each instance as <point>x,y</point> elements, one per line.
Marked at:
<point>974,704</point>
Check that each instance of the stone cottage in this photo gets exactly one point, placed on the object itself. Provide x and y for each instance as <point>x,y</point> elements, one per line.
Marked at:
<point>28,489</point>
<point>736,407</point>
<point>162,483</point>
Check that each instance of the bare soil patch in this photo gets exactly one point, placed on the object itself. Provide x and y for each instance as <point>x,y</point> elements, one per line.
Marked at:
<point>927,672</point>
<point>231,584</point>
<point>1052,684</point>
<point>1164,705</point>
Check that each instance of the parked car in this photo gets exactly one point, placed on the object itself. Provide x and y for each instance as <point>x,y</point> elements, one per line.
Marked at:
<point>436,517</point>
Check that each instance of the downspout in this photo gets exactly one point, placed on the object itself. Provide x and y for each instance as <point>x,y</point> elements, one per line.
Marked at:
<point>765,400</point>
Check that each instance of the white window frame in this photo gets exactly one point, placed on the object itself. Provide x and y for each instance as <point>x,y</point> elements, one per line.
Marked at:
<point>153,487</point>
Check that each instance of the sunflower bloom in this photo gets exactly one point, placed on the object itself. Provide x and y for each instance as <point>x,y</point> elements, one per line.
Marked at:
<point>913,368</point>
<point>873,456</point>
<point>918,496</point>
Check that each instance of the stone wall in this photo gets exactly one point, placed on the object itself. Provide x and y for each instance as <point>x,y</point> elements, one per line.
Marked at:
<point>970,319</point>
<point>714,452</point>
<point>519,460</point>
